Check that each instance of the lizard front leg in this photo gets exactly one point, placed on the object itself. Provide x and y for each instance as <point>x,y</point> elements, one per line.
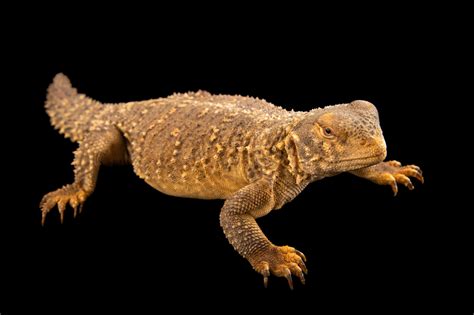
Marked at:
<point>391,173</point>
<point>95,149</point>
<point>237,219</point>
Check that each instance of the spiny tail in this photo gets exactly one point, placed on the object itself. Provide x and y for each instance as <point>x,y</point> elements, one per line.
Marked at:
<point>70,112</point>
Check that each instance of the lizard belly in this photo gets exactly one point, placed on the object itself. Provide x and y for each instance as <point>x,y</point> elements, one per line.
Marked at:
<point>188,176</point>
<point>196,185</point>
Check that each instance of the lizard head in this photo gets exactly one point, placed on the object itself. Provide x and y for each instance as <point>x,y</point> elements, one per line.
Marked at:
<point>338,138</point>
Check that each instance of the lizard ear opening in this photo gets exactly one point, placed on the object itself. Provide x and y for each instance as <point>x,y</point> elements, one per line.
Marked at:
<point>292,153</point>
<point>299,146</point>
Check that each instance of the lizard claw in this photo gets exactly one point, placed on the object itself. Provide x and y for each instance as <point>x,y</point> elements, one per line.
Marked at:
<point>70,194</point>
<point>297,271</point>
<point>392,173</point>
<point>303,268</point>
<point>281,261</point>
<point>288,277</point>
<point>393,183</point>
<point>300,254</point>
<point>74,204</point>
<point>402,179</point>
<point>266,274</point>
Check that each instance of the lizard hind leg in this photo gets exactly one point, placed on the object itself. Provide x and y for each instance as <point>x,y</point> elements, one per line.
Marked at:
<point>97,148</point>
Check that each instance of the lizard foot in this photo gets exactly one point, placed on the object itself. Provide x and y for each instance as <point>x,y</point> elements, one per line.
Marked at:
<point>392,172</point>
<point>71,194</point>
<point>281,261</point>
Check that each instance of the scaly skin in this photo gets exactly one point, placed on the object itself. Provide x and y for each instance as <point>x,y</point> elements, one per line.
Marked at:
<point>249,152</point>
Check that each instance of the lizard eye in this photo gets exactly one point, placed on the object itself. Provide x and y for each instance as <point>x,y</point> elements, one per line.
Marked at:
<point>328,133</point>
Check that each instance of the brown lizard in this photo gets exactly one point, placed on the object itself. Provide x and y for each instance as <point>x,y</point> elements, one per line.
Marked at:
<point>253,154</point>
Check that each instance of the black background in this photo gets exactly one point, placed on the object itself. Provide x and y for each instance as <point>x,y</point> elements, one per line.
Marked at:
<point>134,245</point>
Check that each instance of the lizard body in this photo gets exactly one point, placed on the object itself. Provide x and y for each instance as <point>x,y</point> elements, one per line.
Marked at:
<point>253,154</point>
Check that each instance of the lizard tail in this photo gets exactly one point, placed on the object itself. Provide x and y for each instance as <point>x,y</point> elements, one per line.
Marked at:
<point>70,112</point>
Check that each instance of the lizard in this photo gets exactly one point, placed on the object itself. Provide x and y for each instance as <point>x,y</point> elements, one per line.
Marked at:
<point>254,155</point>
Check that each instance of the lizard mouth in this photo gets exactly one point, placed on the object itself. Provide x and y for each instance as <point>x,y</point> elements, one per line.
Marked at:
<point>360,162</point>
<point>364,158</point>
